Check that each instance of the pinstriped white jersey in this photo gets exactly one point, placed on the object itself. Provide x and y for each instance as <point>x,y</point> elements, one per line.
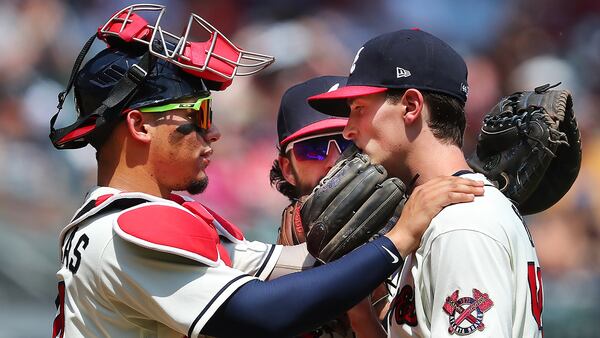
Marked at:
<point>475,274</point>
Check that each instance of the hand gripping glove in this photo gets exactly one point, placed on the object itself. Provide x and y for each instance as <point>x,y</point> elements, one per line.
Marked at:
<point>530,146</point>
<point>349,205</point>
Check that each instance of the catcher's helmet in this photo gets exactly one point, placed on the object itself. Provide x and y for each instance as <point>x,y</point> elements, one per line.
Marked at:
<point>146,65</point>
<point>95,81</point>
<point>165,82</point>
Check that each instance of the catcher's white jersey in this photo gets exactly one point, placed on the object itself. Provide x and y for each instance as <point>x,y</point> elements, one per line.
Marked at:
<point>134,265</point>
<point>476,273</point>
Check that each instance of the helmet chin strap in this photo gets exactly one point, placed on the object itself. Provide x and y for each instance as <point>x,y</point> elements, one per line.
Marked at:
<point>63,95</point>
<point>119,96</point>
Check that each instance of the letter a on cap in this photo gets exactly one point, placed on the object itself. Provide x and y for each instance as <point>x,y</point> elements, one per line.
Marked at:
<point>356,59</point>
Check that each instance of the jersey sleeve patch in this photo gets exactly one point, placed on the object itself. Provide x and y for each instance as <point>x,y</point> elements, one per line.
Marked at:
<point>466,313</point>
<point>169,229</point>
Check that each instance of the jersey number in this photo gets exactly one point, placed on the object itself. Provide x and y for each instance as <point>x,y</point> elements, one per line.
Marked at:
<point>534,276</point>
<point>72,262</point>
<point>403,307</point>
<point>58,327</point>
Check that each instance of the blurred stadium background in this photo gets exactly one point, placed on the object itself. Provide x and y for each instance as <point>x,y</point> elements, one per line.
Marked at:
<point>508,44</point>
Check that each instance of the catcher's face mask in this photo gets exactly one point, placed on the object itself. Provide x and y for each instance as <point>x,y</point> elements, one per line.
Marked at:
<point>216,59</point>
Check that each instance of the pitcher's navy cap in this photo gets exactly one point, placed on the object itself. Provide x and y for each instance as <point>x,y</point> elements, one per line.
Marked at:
<point>408,58</point>
<point>297,119</point>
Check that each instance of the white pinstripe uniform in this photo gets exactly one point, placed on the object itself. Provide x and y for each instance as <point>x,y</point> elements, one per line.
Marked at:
<point>135,265</point>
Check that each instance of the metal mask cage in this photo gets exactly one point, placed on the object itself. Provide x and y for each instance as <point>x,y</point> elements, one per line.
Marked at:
<point>216,59</point>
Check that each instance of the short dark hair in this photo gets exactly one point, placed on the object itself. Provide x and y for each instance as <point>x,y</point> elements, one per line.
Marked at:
<point>447,114</point>
<point>279,182</point>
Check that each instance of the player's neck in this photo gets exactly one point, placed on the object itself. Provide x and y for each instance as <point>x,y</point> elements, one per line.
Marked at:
<point>436,160</point>
<point>132,179</point>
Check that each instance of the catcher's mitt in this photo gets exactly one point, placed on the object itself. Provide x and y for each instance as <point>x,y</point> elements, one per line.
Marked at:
<point>351,204</point>
<point>530,146</point>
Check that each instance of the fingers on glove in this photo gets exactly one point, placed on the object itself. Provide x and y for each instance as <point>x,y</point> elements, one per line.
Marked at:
<point>331,185</point>
<point>372,215</point>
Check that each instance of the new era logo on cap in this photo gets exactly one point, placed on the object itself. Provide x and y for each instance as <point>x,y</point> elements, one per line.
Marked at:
<point>399,60</point>
<point>401,72</point>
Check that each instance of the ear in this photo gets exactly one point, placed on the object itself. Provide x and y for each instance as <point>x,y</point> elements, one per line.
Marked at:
<point>136,126</point>
<point>413,101</point>
<point>286,169</point>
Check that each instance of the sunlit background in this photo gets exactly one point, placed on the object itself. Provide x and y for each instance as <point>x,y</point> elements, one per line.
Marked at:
<point>509,45</point>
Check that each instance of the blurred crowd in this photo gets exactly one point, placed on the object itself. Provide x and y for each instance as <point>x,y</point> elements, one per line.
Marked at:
<point>509,45</point>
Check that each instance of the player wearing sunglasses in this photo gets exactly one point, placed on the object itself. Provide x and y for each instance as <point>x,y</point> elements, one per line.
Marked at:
<point>309,158</point>
<point>138,260</point>
<point>201,107</point>
<point>310,143</point>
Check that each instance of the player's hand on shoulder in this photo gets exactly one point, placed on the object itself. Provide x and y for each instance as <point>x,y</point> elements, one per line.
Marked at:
<point>424,203</point>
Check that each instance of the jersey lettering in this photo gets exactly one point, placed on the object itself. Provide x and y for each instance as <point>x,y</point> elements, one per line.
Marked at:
<point>73,259</point>
<point>534,277</point>
<point>403,307</point>
<point>68,244</point>
<point>58,326</point>
<point>83,242</point>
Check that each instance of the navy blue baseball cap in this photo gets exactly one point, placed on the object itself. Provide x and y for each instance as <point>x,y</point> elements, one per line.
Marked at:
<point>296,119</point>
<point>408,58</point>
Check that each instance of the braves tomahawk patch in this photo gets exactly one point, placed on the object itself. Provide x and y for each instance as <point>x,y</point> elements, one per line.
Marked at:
<point>466,313</point>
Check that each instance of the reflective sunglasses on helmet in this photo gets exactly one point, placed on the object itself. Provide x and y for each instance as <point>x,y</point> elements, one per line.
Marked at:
<point>201,106</point>
<point>316,147</point>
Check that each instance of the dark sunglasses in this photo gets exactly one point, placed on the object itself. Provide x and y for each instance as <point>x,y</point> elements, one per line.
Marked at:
<point>201,106</point>
<point>316,147</point>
